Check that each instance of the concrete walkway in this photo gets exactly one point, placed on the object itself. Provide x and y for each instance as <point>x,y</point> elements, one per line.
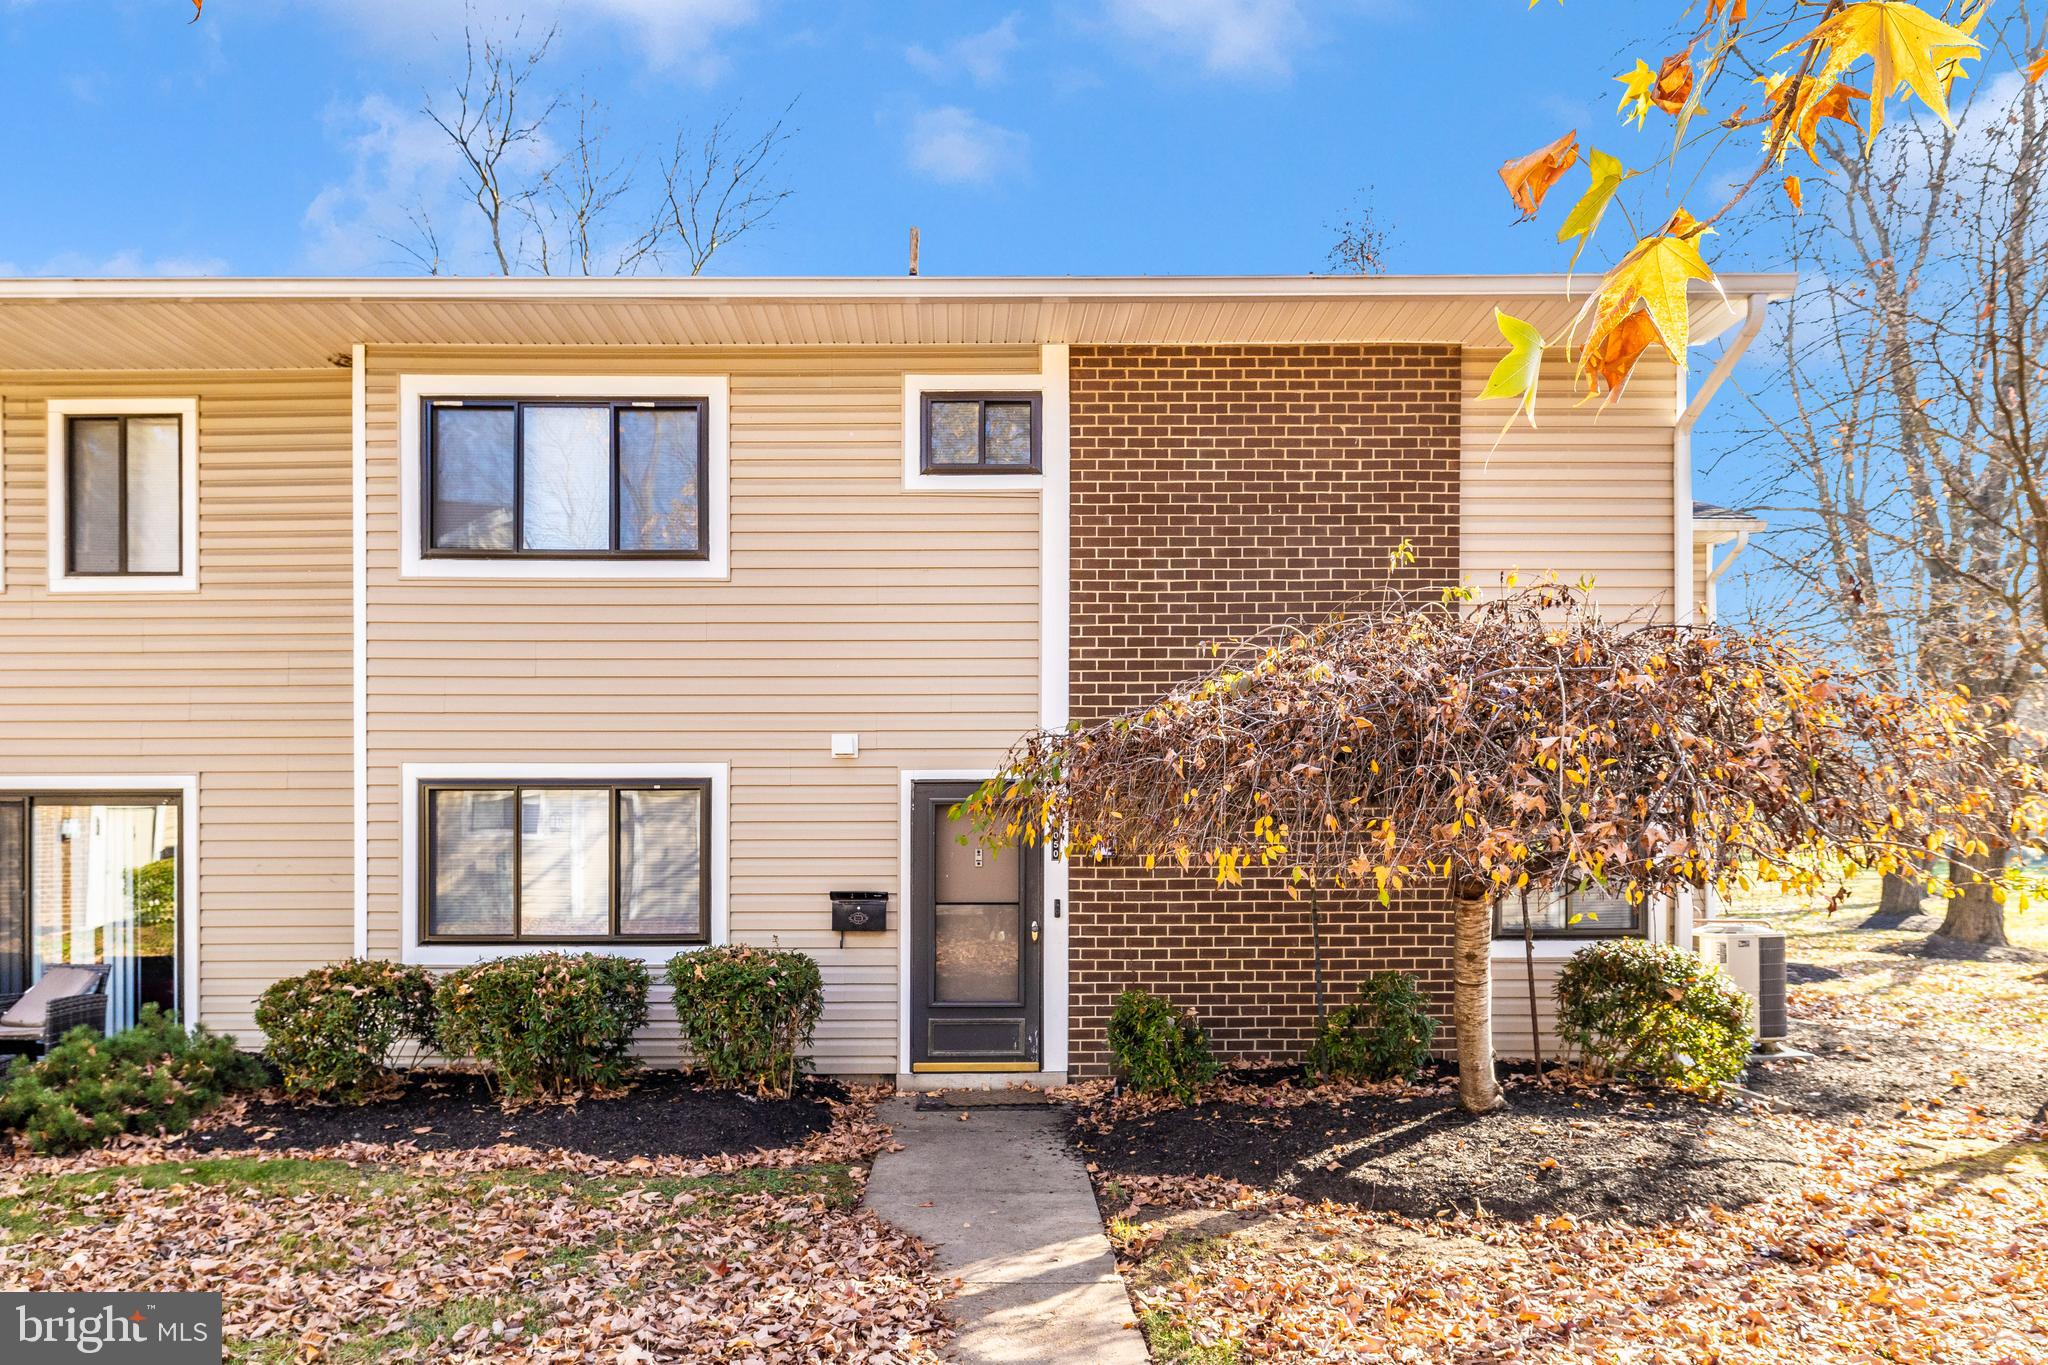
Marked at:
<point>1007,1207</point>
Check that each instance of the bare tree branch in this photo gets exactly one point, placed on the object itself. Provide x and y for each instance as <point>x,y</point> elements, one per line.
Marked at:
<point>584,210</point>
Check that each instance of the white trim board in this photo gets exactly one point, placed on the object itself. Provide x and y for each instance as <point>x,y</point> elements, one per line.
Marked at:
<point>411,775</point>
<point>359,604</point>
<point>916,386</point>
<point>415,389</point>
<point>186,785</point>
<point>57,483</point>
<point>1054,608</point>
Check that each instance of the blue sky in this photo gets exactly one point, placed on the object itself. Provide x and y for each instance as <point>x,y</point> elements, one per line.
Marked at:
<point>1119,136</point>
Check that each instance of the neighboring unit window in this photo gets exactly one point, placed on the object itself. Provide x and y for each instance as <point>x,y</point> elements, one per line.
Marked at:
<point>123,500</point>
<point>966,433</point>
<point>568,862</point>
<point>1588,912</point>
<point>565,479</point>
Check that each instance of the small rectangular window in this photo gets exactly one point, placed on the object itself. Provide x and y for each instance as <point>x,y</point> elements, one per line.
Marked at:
<point>567,862</point>
<point>1588,912</point>
<point>565,479</point>
<point>981,433</point>
<point>124,497</point>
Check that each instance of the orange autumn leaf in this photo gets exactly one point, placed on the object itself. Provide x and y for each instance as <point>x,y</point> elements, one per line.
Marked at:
<point>1673,85</point>
<point>1835,103</point>
<point>1737,10</point>
<point>2038,67</point>
<point>1610,357</point>
<point>1649,283</point>
<point>1529,178</point>
<point>1795,193</point>
<point>197,6</point>
<point>1906,46</point>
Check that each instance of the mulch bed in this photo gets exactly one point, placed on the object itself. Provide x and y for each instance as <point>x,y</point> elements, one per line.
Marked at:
<point>664,1114</point>
<point>1607,1152</point>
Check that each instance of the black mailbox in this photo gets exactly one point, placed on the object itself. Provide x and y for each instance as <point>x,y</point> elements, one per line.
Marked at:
<point>860,911</point>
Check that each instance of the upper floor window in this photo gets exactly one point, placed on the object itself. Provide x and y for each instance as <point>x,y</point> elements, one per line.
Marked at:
<point>981,433</point>
<point>1587,912</point>
<point>565,478</point>
<point>123,495</point>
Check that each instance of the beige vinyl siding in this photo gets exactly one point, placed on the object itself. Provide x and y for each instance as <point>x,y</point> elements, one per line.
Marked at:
<point>909,617</point>
<point>1587,491</point>
<point>245,683</point>
<point>1511,1005</point>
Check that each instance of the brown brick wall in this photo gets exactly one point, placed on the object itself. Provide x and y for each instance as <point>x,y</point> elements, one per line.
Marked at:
<point>1217,491</point>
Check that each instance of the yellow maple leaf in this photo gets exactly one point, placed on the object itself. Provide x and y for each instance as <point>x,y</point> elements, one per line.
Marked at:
<point>1795,193</point>
<point>1515,375</point>
<point>1636,86</point>
<point>1584,219</point>
<point>1650,280</point>
<point>1906,45</point>
<point>1530,177</point>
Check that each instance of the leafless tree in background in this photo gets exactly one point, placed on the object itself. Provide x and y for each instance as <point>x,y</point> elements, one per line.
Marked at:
<point>1908,473</point>
<point>554,198</point>
<point>1361,245</point>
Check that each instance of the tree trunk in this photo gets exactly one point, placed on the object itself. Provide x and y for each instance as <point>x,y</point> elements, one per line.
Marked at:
<point>1529,975</point>
<point>1973,916</point>
<point>1472,996</point>
<point>1901,896</point>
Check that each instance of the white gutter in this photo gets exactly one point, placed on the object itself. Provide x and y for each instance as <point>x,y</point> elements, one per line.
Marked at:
<point>883,287</point>
<point>1754,308</point>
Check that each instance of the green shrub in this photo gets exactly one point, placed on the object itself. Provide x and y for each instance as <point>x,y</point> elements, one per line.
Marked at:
<point>547,1025</point>
<point>1384,1036</point>
<point>1158,1046</point>
<point>1656,1012</point>
<point>331,1030</point>
<point>152,1078</point>
<point>747,1013</point>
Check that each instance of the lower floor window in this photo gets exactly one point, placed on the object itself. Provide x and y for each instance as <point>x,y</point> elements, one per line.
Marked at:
<point>567,862</point>
<point>1587,912</point>
<point>92,880</point>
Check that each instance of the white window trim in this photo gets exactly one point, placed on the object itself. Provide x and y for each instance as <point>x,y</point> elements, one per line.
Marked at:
<point>1654,923</point>
<point>58,465</point>
<point>413,775</point>
<point>1052,442</point>
<point>415,389</point>
<point>187,787</point>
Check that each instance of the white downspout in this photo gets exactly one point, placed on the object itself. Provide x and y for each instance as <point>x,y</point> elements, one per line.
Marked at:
<point>1754,309</point>
<point>1714,574</point>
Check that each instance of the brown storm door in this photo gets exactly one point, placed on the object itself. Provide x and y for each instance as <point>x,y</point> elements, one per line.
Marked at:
<point>976,935</point>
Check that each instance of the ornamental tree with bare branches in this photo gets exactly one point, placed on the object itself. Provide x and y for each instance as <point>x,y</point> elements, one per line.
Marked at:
<point>1525,743</point>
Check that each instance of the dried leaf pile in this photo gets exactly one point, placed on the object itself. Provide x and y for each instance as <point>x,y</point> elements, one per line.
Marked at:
<point>1916,1236</point>
<point>1877,976</point>
<point>506,1254</point>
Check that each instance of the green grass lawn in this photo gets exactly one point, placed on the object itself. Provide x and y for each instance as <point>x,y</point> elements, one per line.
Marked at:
<point>339,1261</point>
